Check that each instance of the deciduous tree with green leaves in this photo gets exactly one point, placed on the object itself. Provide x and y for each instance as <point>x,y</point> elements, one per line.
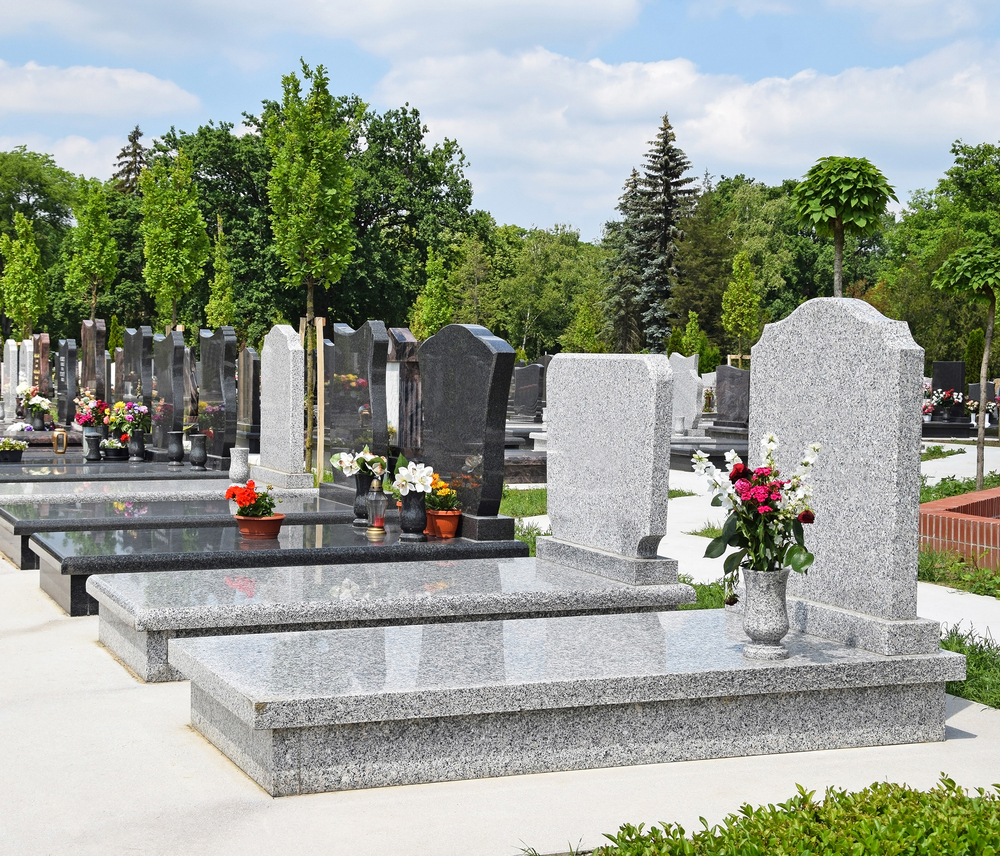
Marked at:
<point>841,195</point>
<point>312,202</point>
<point>93,262</point>
<point>220,311</point>
<point>435,305</point>
<point>975,271</point>
<point>741,306</point>
<point>23,281</point>
<point>175,244</point>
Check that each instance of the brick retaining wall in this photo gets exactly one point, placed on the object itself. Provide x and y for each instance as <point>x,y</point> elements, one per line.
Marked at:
<point>968,525</point>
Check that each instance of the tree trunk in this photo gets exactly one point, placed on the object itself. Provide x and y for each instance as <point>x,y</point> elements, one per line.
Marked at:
<point>838,258</point>
<point>983,369</point>
<point>310,373</point>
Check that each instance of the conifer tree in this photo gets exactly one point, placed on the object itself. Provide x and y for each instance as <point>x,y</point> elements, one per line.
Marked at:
<point>130,163</point>
<point>620,304</point>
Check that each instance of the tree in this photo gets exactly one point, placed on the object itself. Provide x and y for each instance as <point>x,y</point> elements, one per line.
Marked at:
<point>435,305</point>
<point>23,281</point>
<point>94,260</point>
<point>975,346</point>
<point>664,195</point>
<point>623,274</point>
<point>842,195</point>
<point>220,310</point>
<point>116,334</point>
<point>130,163</point>
<point>175,244</point>
<point>312,203</point>
<point>975,271</point>
<point>741,306</point>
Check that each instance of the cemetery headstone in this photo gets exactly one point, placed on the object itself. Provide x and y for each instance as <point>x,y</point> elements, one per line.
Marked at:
<point>862,588</point>
<point>356,403</point>
<point>25,362</point>
<point>4,384</point>
<point>119,379</point>
<point>732,397</point>
<point>168,378</point>
<point>403,347</point>
<point>948,375</point>
<point>217,394</point>
<point>282,392</point>
<point>612,525</point>
<point>991,392</point>
<point>248,401</point>
<point>189,376</point>
<point>689,393</point>
<point>42,363</point>
<point>10,380</point>
<point>93,344</point>
<point>137,379</point>
<point>66,388</point>
<point>464,377</point>
<point>528,382</point>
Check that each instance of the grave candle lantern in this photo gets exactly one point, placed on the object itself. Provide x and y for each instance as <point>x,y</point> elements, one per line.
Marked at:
<point>376,502</point>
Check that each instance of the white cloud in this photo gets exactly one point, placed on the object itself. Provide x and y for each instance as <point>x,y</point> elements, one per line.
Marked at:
<point>553,139</point>
<point>105,92</point>
<point>93,158</point>
<point>922,19</point>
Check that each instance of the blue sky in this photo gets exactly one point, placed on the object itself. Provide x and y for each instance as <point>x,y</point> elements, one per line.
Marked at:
<point>553,101</point>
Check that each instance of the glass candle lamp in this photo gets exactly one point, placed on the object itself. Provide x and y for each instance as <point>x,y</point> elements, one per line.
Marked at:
<point>376,501</point>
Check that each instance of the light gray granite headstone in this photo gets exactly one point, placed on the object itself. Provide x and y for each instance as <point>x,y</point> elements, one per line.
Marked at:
<point>609,465</point>
<point>689,391</point>
<point>10,380</point>
<point>838,373</point>
<point>25,360</point>
<point>282,419</point>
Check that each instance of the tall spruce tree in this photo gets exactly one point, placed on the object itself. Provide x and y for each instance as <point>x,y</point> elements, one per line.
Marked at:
<point>663,196</point>
<point>620,303</point>
<point>130,163</point>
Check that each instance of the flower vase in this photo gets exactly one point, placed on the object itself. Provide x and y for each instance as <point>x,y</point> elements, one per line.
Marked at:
<point>413,517</point>
<point>361,485</point>
<point>136,447</point>
<point>260,527</point>
<point>175,448</point>
<point>765,614</point>
<point>37,421</point>
<point>239,465</point>
<point>443,524</point>
<point>92,439</point>
<point>116,454</point>
<point>199,452</point>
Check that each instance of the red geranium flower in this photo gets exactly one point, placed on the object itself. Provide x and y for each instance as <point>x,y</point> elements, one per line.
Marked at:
<point>737,472</point>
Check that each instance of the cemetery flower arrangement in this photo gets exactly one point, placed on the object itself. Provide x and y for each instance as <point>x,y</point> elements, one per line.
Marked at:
<point>128,417</point>
<point>413,477</point>
<point>350,381</point>
<point>928,408</point>
<point>946,398</point>
<point>250,502</point>
<point>111,443</point>
<point>442,496</point>
<point>211,418</point>
<point>766,513</point>
<point>972,406</point>
<point>90,411</point>
<point>364,462</point>
<point>8,444</point>
<point>35,404</point>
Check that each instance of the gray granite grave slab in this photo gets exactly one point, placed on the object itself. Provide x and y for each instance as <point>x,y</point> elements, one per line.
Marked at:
<point>119,491</point>
<point>608,466</point>
<point>464,377</point>
<point>66,559</point>
<point>282,393</point>
<point>346,709</point>
<point>732,396</point>
<point>66,382</point>
<point>93,343</point>
<point>862,588</point>
<point>248,401</point>
<point>689,393</point>
<point>117,383</point>
<point>75,469</point>
<point>141,612</point>
<point>10,363</point>
<point>217,394</point>
<point>137,379</point>
<point>25,362</point>
<point>168,386</point>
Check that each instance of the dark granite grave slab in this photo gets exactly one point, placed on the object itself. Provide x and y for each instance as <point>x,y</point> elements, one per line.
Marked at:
<point>732,396</point>
<point>248,401</point>
<point>948,375</point>
<point>19,521</point>
<point>464,376</point>
<point>85,472</point>
<point>93,368</point>
<point>66,559</point>
<point>140,613</point>
<point>403,348</point>
<point>355,397</point>
<point>119,360</point>
<point>66,384</point>
<point>42,370</point>
<point>217,394</point>
<point>137,380</point>
<point>168,386</point>
<point>528,384</point>
<point>190,377</point>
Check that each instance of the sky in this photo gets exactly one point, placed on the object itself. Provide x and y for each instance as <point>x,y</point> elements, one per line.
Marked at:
<point>552,101</point>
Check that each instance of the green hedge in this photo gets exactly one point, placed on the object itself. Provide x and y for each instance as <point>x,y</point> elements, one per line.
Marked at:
<point>883,819</point>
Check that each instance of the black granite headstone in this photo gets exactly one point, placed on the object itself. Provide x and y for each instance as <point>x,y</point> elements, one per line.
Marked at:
<point>403,348</point>
<point>66,389</point>
<point>119,375</point>
<point>190,388</point>
<point>168,391</point>
<point>217,394</point>
<point>528,384</point>
<point>356,394</point>
<point>465,373</point>
<point>948,375</point>
<point>248,401</point>
<point>137,379</point>
<point>93,344</point>
<point>991,392</point>
<point>732,396</point>
<point>42,366</point>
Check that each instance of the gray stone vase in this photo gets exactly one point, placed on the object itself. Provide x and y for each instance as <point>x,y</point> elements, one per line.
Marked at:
<point>92,440</point>
<point>239,466</point>
<point>199,451</point>
<point>136,447</point>
<point>413,517</point>
<point>765,614</point>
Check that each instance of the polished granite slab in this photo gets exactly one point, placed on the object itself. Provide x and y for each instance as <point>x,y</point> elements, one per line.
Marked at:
<point>134,490</point>
<point>139,613</point>
<point>342,709</point>
<point>19,521</point>
<point>31,471</point>
<point>66,559</point>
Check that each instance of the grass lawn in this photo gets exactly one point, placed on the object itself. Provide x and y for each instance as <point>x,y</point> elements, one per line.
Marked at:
<point>709,530</point>
<point>982,682</point>
<point>950,569</point>
<point>933,453</point>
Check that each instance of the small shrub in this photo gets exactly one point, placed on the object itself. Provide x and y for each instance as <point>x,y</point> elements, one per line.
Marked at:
<point>982,663</point>
<point>529,534</point>
<point>953,570</point>
<point>710,595</point>
<point>950,486</point>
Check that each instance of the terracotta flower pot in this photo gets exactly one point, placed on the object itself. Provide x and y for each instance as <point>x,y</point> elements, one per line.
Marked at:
<point>442,524</point>
<point>260,527</point>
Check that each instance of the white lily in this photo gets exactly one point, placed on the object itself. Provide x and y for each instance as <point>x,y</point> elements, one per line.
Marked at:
<point>345,463</point>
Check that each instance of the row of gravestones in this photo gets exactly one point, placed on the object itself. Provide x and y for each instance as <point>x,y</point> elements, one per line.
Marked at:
<point>526,399</point>
<point>732,395</point>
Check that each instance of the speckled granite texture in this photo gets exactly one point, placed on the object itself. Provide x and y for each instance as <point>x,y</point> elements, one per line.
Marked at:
<point>282,391</point>
<point>118,491</point>
<point>689,391</point>
<point>61,472</point>
<point>142,611</point>
<point>838,373</point>
<point>626,569</point>
<point>609,451</point>
<point>343,709</point>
